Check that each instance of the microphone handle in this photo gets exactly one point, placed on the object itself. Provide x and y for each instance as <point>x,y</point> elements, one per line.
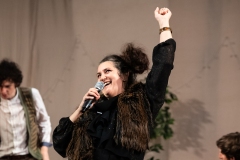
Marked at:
<point>86,105</point>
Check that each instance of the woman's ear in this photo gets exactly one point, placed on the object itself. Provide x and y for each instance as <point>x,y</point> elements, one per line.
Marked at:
<point>125,77</point>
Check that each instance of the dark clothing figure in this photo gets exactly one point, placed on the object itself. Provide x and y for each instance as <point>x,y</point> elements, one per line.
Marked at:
<point>119,128</point>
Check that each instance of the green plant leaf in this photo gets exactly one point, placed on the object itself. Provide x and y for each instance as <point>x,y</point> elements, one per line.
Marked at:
<point>162,126</point>
<point>156,148</point>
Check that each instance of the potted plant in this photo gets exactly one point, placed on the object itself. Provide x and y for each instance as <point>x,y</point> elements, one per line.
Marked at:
<point>162,125</point>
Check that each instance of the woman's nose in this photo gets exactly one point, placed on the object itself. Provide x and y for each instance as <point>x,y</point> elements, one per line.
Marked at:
<point>102,78</point>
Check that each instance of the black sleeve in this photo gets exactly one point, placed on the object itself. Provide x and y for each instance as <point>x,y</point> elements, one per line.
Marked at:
<point>62,135</point>
<point>157,79</point>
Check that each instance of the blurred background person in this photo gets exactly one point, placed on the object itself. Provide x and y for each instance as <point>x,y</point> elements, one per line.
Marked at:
<point>25,126</point>
<point>229,146</point>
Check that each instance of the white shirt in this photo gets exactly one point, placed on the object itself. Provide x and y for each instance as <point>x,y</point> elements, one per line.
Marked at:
<point>13,129</point>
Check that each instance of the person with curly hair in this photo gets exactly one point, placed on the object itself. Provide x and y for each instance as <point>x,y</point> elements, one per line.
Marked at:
<point>118,124</point>
<point>229,146</point>
<point>25,126</point>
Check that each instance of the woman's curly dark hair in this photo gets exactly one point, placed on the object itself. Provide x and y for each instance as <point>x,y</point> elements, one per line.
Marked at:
<point>132,61</point>
<point>10,71</point>
<point>230,145</point>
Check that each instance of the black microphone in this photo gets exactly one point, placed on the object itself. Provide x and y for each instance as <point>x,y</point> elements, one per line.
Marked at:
<point>99,86</point>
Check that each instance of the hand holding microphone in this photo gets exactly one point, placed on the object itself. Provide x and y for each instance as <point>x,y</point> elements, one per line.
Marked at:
<point>88,99</point>
<point>92,96</point>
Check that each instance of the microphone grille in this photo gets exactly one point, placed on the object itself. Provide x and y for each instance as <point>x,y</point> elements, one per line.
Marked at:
<point>99,85</point>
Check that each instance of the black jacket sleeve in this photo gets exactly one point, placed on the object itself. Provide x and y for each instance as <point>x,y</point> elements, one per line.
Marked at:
<point>62,135</point>
<point>157,79</point>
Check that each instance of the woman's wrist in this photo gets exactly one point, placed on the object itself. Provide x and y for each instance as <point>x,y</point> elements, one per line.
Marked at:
<point>76,115</point>
<point>165,29</point>
<point>163,24</point>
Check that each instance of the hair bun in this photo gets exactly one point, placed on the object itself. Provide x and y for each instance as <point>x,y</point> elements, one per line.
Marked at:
<point>135,57</point>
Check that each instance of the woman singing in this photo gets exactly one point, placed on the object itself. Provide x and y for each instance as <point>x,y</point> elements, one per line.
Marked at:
<point>117,125</point>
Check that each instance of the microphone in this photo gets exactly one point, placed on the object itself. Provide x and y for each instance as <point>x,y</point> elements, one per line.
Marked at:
<point>99,86</point>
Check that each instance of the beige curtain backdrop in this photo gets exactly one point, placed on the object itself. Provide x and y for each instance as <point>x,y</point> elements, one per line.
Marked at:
<point>58,44</point>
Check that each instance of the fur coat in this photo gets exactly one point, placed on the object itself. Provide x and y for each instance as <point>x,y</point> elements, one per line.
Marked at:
<point>133,117</point>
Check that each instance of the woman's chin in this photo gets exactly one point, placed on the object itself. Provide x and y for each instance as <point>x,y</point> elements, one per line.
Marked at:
<point>106,94</point>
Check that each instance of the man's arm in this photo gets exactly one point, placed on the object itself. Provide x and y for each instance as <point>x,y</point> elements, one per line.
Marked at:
<point>44,123</point>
